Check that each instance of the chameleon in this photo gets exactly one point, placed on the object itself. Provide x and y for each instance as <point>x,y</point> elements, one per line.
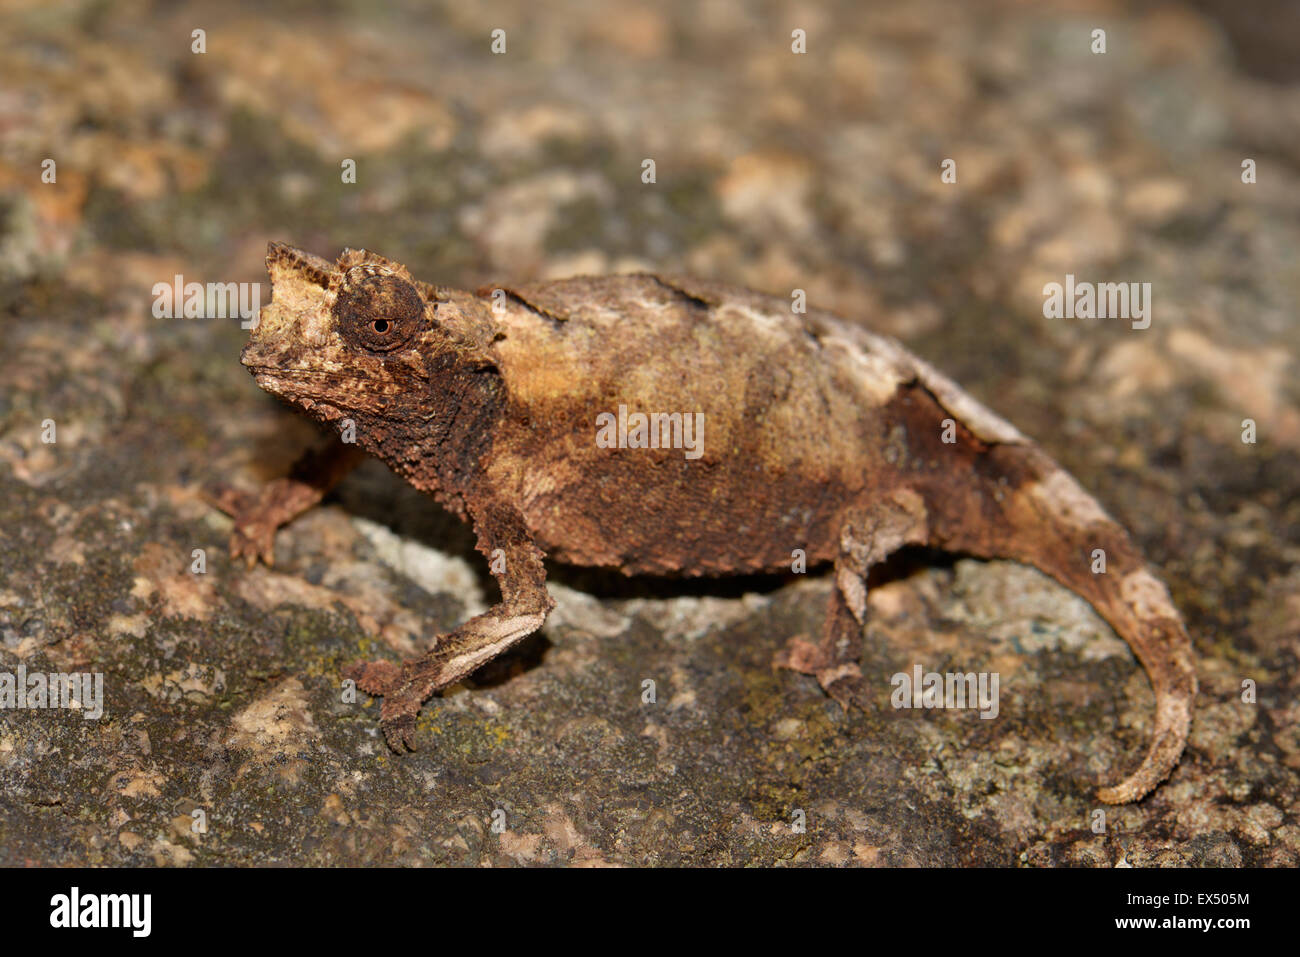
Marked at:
<point>813,433</point>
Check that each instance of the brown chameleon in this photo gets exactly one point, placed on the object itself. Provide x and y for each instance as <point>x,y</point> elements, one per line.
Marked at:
<point>815,434</point>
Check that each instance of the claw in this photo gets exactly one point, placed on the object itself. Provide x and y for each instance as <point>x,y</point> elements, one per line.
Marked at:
<point>399,732</point>
<point>253,536</point>
<point>840,678</point>
<point>403,689</point>
<point>253,539</point>
<point>801,655</point>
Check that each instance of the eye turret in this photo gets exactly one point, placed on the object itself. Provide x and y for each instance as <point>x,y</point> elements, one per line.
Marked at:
<point>379,313</point>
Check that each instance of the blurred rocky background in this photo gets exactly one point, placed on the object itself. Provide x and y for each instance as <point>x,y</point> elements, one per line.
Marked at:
<point>775,170</point>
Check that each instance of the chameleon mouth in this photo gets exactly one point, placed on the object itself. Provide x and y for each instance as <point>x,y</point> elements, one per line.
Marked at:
<point>318,391</point>
<point>278,374</point>
<point>297,384</point>
<point>268,377</point>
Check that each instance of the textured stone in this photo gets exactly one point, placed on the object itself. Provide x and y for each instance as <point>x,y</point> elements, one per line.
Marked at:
<point>774,170</point>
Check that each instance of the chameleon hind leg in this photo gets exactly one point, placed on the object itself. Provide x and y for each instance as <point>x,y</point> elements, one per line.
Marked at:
<point>868,535</point>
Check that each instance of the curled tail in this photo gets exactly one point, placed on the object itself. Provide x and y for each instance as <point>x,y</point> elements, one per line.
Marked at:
<point>1045,519</point>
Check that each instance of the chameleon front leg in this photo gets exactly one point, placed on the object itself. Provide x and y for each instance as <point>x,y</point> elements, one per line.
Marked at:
<point>868,535</point>
<point>258,515</point>
<point>516,563</point>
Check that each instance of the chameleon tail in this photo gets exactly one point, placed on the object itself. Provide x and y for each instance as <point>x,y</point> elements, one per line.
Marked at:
<point>1050,522</point>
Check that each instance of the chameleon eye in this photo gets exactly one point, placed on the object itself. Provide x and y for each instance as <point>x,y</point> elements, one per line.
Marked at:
<point>379,314</point>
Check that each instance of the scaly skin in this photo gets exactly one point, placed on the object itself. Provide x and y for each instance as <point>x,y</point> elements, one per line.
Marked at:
<point>818,435</point>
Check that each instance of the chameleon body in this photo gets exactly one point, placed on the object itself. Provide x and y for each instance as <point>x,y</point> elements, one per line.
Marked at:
<point>816,434</point>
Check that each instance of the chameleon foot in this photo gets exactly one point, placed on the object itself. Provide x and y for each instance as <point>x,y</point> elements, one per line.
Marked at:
<point>839,678</point>
<point>256,519</point>
<point>403,690</point>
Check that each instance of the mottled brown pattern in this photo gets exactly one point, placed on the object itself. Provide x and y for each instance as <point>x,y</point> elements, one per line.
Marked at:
<point>818,436</point>
<point>776,171</point>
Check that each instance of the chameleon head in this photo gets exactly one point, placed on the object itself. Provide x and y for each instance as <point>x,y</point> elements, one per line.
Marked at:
<point>358,338</point>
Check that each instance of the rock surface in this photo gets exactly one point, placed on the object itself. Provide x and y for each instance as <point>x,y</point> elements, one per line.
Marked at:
<point>226,739</point>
